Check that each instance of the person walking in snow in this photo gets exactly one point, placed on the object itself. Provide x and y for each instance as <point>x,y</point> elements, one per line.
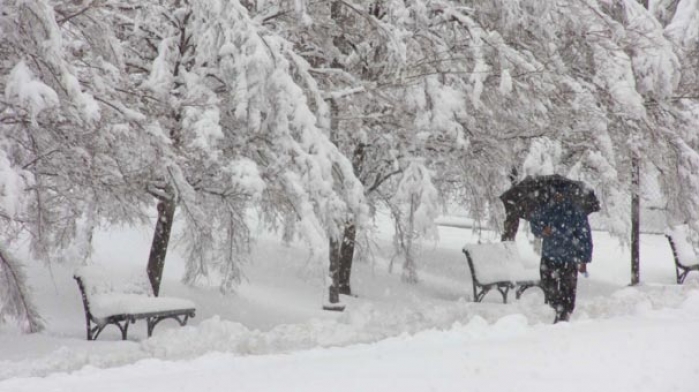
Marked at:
<point>566,250</point>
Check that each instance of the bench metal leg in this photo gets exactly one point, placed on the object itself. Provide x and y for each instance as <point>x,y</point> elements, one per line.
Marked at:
<point>522,288</point>
<point>94,332</point>
<point>153,321</point>
<point>681,270</point>
<point>503,291</point>
<point>124,329</point>
<point>685,271</point>
<point>478,297</point>
<point>89,330</point>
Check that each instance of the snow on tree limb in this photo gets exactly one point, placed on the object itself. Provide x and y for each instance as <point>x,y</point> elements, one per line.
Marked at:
<point>15,300</point>
<point>23,88</point>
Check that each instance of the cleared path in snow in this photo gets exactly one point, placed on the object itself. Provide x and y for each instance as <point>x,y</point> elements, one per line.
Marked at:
<point>650,351</point>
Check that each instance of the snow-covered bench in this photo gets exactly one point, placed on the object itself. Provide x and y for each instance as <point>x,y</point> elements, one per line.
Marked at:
<point>110,300</point>
<point>499,265</point>
<point>686,259</point>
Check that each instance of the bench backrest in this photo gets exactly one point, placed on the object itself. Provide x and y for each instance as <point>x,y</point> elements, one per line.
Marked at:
<point>681,245</point>
<point>95,280</point>
<point>497,262</point>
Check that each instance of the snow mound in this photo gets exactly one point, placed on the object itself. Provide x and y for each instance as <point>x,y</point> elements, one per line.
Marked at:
<point>362,323</point>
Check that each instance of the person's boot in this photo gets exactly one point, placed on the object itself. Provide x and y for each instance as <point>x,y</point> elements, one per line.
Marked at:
<point>562,316</point>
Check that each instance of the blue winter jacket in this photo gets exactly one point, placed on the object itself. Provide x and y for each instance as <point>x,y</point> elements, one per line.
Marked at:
<point>570,240</point>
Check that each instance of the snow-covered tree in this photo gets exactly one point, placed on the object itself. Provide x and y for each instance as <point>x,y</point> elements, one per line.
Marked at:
<point>417,205</point>
<point>61,120</point>
<point>305,110</point>
<point>228,100</point>
<point>49,123</point>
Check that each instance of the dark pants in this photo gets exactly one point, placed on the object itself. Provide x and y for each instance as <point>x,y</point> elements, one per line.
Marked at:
<point>559,282</point>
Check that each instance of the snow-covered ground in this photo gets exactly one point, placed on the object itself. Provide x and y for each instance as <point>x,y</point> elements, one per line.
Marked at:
<point>272,334</point>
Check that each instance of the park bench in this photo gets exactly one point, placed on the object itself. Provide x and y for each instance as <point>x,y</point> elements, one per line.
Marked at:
<point>686,259</point>
<point>499,265</point>
<point>108,300</point>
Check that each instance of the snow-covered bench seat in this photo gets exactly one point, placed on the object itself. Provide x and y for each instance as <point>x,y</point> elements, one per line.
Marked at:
<point>686,259</point>
<point>109,300</point>
<point>499,265</point>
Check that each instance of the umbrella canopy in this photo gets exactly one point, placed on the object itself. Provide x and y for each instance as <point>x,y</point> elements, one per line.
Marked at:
<point>534,192</point>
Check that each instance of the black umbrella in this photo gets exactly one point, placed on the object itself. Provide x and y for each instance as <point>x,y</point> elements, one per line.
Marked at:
<point>534,192</point>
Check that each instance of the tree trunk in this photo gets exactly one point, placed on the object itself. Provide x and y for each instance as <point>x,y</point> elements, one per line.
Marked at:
<point>350,234</point>
<point>161,238</point>
<point>510,227</point>
<point>333,291</point>
<point>342,254</point>
<point>346,257</point>
<point>635,222</point>
<point>636,210</point>
<point>409,268</point>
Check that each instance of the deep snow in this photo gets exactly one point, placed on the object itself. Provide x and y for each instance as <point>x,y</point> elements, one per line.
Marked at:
<point>272,334</point>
